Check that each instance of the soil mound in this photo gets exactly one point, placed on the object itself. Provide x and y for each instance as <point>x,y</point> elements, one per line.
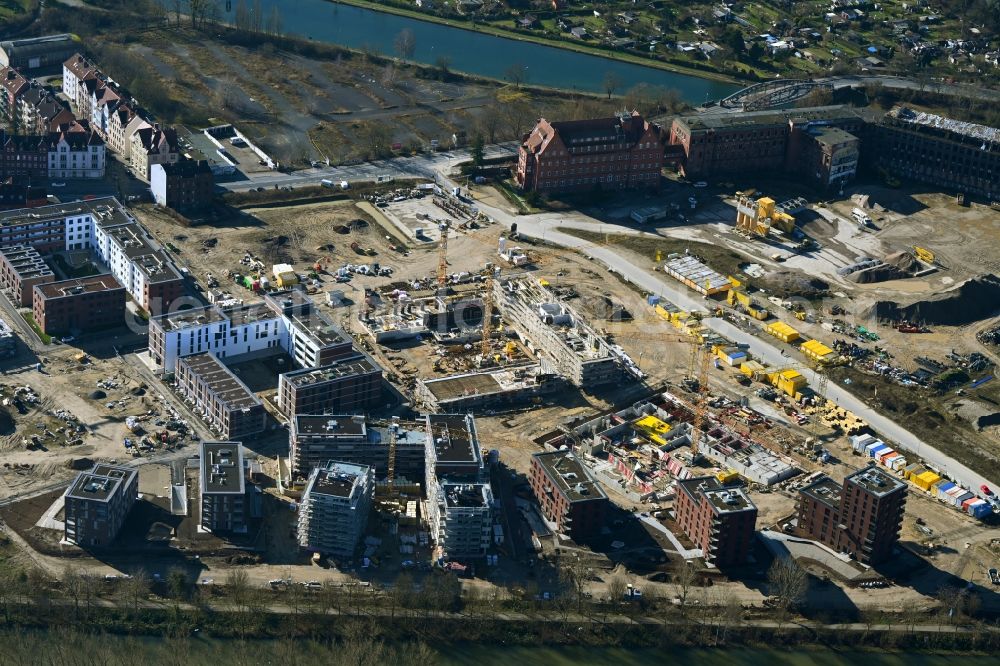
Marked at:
<point>904,261</point>
<point>971,301</point>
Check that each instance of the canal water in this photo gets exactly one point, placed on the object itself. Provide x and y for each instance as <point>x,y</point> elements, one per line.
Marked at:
<point>473,52</point>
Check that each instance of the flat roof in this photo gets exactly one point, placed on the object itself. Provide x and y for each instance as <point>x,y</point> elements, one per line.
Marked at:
<point>337,479</point>
<point>238,315</point>
<point>768,117</point>
<point>221,380</point>
<point>455,439</point>
<point>301,309</point>
<point>875,481</point>
<point>221,468</point>
<point>571,476</point>
<point>100,483</point>
<point>971,130</point>
<point>833,135</point>
<point>723,499</point>
<point>77,286</point>
<point>825,490</point>
<point>348,367</point>
<point>330,425</point>
<point>447,388</point>
<point>466,495</point>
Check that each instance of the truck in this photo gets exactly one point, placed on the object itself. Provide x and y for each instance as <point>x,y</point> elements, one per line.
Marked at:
<point>326,182</point>
<point>861,217</point>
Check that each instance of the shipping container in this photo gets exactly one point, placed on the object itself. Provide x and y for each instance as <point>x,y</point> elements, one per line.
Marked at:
<point>941,489</point>
<point>859,442</point>
<point>898,464</point>
<point>782,331</point>
<point>926,480</point>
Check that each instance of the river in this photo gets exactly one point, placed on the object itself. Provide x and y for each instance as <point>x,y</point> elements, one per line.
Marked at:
<point>474,52</point>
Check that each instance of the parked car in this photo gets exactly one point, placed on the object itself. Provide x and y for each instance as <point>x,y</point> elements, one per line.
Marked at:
<point>58,184</point>
<point>994,577</point>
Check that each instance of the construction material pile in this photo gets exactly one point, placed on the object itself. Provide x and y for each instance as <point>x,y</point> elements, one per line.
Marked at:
<point>895,266</point>
<point>973,300</point>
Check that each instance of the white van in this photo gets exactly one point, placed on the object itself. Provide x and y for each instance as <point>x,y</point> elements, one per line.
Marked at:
<point>861,217</point>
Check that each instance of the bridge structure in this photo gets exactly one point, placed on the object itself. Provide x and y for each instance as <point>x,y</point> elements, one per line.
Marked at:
<point>771,94</point>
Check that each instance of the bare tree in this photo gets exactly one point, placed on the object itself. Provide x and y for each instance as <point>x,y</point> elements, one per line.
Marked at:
<point>273,26</point>
<point>405,44</point>
<point>611,83</point>
<point>490,120</point>
<point>788,583</point>
<point>616,588</point>
<point>573,573</point>
<point>242,19</point>
<point>516,73</point>
<point>257,17</point>
<point>177,12</point>
<point>685,577</point>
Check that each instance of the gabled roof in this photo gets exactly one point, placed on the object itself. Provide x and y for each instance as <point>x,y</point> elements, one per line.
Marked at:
<point>80,67</point>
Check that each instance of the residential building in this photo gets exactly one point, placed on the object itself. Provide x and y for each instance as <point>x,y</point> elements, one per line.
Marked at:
<point>97,503</point>
<point>352,384</point>
<point>79,305</point>
<point>616,153</point>
<point>224,331</point>
<point>929,148</point>
<point>144,269</point>
<point>121,124</point>
<point>21,270</point>
<point>187,185</point>
<point>229,407</point>
<point>561,337</point>
<point>720,521</point>
<point>312,340</point>
<point>14,84</point>
<point>861,517</point>
<point>459,506</point>
<point>153,145</point>
<point>314,439</point>
<point>286,319</point>
<point>77,70</point>
<point>828,156</point>
<point>39,111</point>
<point>24,156</point>
<point>76,151</point>
<point>222,487</point>
<point>568,494</point>
<point>37,53</point>
<point>20,192</point>
<point>460,518</point>
<point>333,511</point>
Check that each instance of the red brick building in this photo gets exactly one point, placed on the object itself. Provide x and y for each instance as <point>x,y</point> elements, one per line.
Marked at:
<point>797,141</point>
<point>78,306</point>
<point>21,268</point>
<point>721,521</point>
<point>568,494</point>
<point>862,517</point>
<point>617,153</point>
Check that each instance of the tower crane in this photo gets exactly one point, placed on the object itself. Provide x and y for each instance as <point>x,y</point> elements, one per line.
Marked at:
<point>391,462</point>
<point>442,274</point>
<point>492,272</point>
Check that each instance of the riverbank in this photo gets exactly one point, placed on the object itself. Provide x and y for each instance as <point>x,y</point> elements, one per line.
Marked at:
<point>542,41</point>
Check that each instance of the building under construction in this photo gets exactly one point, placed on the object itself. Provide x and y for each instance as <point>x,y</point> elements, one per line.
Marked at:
<point>552,330</point>
<point>314,439</point>
<point>491,388</point>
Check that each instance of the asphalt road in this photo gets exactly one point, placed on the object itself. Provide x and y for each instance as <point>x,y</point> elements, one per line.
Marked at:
<point>420,166</point>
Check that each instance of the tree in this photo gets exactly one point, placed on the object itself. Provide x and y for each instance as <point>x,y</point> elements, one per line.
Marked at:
<point>788,582</point>
<point>616,588</point>
<point>756,52</point>
<point>733,39</point>
<point>517,74</point>
<point>490,121</point>
<point>478,150</point>
<point>573,574</point>
<point>274,23</point>
<point>405,44</point>
<point>685,577</point>
<point>611,83</point>
<point>177,583</point>
<point>376,140</point>
<point>242,19</point>
<point>443,65</point>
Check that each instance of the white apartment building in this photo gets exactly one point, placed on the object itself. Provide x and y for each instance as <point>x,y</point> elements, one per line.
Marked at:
<point>333,511</point>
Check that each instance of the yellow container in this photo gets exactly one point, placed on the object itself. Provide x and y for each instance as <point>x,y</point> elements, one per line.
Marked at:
<point>782,331</point>
<point>926,480</point>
